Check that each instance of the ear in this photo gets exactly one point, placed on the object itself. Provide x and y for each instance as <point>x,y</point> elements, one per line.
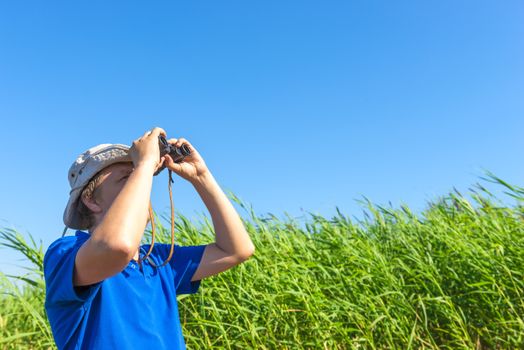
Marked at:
<point>91,204</point>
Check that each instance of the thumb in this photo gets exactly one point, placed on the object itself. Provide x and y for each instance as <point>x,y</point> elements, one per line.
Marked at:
<point>177,168</point>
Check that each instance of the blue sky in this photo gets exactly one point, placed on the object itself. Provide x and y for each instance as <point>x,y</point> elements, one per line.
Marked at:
<point>295,105</point>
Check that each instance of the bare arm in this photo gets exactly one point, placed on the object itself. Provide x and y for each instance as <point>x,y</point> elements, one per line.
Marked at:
<point>232,244</point>
<point>116,238</point>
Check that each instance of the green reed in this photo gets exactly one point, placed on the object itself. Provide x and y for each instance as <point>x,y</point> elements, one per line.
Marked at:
<point>450,277</point>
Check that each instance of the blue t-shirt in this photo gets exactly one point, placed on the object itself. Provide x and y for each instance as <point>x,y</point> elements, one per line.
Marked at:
<point>133,309</point>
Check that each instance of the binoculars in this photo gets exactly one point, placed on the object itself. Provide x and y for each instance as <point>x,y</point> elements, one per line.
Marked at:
<point>177,153</point>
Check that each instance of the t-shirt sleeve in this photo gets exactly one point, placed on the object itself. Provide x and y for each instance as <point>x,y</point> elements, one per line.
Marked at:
<point>59,264</point>
<point>184,263</point>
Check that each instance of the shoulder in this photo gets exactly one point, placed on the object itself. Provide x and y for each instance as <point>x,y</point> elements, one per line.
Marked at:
<point>59,264</point>
<point>64,245</point>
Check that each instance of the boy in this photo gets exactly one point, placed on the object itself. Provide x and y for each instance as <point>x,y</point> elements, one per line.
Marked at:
<point>97,296</point>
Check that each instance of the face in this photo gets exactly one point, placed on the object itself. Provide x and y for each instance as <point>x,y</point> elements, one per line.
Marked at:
<point>113,179</point>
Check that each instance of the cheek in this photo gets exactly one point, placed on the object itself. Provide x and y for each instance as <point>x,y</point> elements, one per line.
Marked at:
<point>109,195</point>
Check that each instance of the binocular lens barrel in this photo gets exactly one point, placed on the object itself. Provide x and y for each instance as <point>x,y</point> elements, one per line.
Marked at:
<point>177,153</point>
<point>184,149</point>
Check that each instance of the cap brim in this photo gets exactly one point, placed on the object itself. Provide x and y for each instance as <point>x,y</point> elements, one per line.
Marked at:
<point>71,215</point>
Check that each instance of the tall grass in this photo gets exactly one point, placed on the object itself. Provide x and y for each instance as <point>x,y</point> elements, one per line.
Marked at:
<point>23,323</point>
<point>450,277</point>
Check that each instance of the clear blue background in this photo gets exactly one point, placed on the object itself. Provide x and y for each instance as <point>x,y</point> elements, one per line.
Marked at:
<point>295,106</point>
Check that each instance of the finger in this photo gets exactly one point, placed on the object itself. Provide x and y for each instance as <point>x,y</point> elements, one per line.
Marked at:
<point>157,131</point>
<point>171,164</point>
<point>181,141</point>
<point>172,141</point>
<point>161,163</point>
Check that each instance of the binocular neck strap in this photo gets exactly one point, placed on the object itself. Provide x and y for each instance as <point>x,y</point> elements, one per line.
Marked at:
<point>151,217</point>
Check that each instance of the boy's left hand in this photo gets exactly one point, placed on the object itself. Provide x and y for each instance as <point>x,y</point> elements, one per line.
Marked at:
<point>192,168</point>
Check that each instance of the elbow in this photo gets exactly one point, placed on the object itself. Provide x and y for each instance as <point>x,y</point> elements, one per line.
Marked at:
<point>120,252</point>
<point>246,254</point>
<point>123,251</point>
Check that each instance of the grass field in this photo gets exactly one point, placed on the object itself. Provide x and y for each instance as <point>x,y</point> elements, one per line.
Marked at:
<point>450,277</point>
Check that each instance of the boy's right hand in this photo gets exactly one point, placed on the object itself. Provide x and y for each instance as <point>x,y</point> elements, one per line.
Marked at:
<point>145,150</point>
